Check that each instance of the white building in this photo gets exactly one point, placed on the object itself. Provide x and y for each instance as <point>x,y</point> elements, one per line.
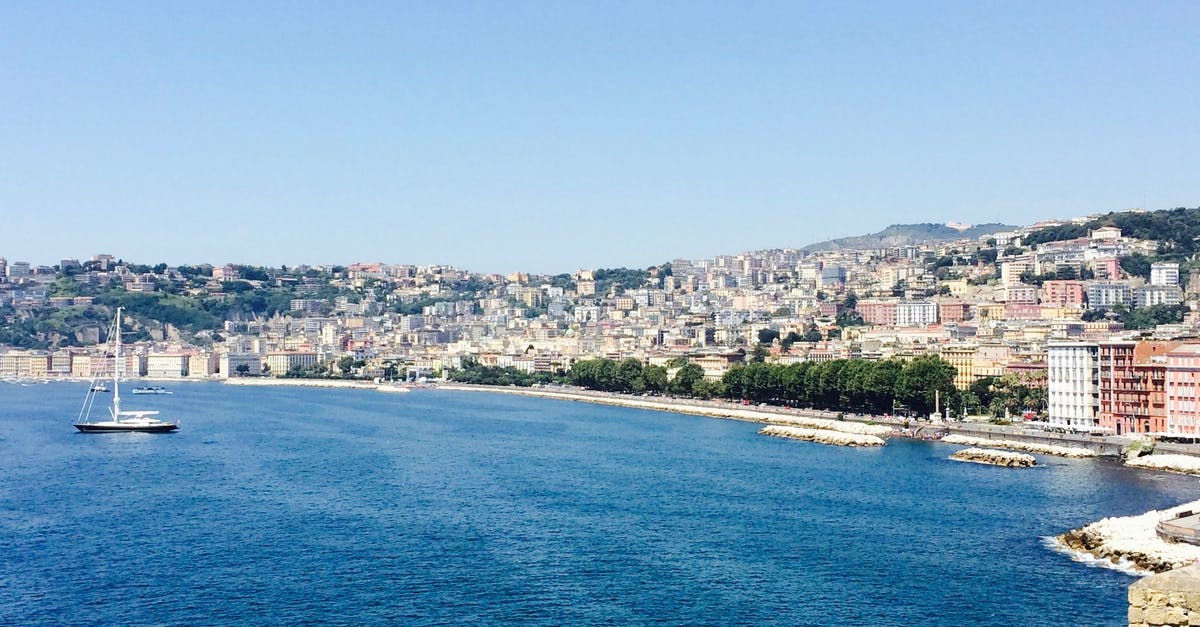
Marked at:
<point>1073,384</point>
<point>229,363</point>
<point>916,313</point>
<point>1152,295</point>
<point>1105,295</point>
<point>166,365</point>
<point>1164,273</point>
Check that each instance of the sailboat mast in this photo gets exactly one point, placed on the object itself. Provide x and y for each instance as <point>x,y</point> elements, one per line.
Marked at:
<point>117,369</point>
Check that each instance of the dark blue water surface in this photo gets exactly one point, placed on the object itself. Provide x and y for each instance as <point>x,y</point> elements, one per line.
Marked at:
<point>280,505</point>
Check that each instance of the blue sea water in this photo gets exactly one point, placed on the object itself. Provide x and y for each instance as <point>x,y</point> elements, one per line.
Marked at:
<point>285,506</point>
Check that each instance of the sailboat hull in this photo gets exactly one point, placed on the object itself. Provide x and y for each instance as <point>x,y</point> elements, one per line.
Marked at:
<point>100,427</point>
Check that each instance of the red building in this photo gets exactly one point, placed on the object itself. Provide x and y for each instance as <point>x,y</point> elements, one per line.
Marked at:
<point>1133,385</point>
<point>954,312</point>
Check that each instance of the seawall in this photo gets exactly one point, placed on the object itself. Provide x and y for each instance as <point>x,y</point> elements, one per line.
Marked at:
<point>780,415</point>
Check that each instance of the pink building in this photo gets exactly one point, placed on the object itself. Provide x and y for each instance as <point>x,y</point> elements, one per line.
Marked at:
<point>954,312</point>
<point>1183,390</point>
<point>882,312</point>
<point>1022,311</point>
<point>1063,293</point>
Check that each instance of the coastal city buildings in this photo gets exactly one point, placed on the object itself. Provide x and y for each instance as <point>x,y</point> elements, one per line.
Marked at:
<point>1058,317</point>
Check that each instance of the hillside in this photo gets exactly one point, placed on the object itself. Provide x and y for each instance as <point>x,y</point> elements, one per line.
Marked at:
<point>909,234</point>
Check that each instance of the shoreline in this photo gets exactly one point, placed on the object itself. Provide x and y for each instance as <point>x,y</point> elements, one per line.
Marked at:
<point>1130,543</point>
<point>815,419</point>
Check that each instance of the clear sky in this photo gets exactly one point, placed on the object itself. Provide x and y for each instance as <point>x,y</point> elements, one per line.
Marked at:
<point>552,136</point>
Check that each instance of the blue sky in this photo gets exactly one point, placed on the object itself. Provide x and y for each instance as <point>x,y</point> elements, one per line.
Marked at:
<point>553,136</point>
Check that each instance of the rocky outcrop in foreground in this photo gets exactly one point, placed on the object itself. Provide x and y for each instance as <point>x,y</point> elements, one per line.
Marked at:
<point>1028,447</point>
<point>995,458</point>
<point>1184,464</point>
<point>822,436</point>
<point>1132,540</point>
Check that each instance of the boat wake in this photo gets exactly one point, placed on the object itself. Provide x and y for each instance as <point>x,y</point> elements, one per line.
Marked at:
<point>1122,565</point>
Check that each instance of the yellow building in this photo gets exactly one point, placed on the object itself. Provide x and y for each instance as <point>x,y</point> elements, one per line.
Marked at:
<point>962,357</point>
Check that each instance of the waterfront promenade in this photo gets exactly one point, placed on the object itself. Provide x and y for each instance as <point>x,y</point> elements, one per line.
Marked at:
<point>1102,445</point>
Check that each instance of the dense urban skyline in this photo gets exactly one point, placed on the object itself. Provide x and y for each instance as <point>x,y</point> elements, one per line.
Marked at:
<point>545,138</point>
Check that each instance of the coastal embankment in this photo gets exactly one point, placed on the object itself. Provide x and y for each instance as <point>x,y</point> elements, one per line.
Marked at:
<point>1131,542</point>
<point>711,409</point>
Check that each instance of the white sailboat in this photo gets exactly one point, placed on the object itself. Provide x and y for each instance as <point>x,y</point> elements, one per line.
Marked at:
<point>141,421</point>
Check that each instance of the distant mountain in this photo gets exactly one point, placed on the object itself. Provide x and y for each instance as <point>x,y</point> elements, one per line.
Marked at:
<point>909,234</point>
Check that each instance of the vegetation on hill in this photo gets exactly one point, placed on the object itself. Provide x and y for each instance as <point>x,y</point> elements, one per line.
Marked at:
<point>1176,230</point>
<point>909,234</point>
<point>623,278</point>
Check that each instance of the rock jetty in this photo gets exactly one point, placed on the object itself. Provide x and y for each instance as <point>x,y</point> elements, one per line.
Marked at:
<point>822,436</point>
<point>1132,541</point>
<point>1028,447</point>
<point>829,425</point>
<point>1008,459</point>
<point>1184,464</point>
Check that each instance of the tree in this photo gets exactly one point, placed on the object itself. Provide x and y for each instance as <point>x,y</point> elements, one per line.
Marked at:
<point>628,372</point>
<point>346,364</point>
<point>924,379</point>
<point>654,379</point>
<point>766,336</point>
<point>242,369</point>
<point>685,379</point>
<point>849,318</point>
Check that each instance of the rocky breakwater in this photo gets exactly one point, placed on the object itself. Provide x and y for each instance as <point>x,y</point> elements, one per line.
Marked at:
<point>1185,464</point>
<point>1014,445</point>
<point>1007,459</point>
<point>822,436</point>
<point>824,424</point>
<point>1132,542</point>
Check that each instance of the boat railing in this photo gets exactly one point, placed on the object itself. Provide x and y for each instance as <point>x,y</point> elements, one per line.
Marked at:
<point>1180,527</point>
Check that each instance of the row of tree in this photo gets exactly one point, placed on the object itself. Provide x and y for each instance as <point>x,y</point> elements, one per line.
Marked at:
<point>848,384</point>
<point>916,386</point>
<point>478,374</point>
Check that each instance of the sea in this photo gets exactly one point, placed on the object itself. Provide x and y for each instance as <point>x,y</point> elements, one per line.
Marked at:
<point>277,505</point>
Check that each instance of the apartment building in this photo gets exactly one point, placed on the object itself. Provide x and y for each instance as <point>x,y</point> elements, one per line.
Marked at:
<point>1063,294</point>
<point>1072,384</point>
<point>1132,379</point>
<point>1183,391</point>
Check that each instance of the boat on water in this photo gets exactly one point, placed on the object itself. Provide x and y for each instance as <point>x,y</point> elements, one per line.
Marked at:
<point>143,421</point>
<point>99,387</point>
<point>151,389</point>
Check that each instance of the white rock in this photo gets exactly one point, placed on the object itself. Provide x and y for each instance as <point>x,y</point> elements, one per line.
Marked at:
<point>1029,447</point>
<point>822,436</point>
<point>1185,464</point>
